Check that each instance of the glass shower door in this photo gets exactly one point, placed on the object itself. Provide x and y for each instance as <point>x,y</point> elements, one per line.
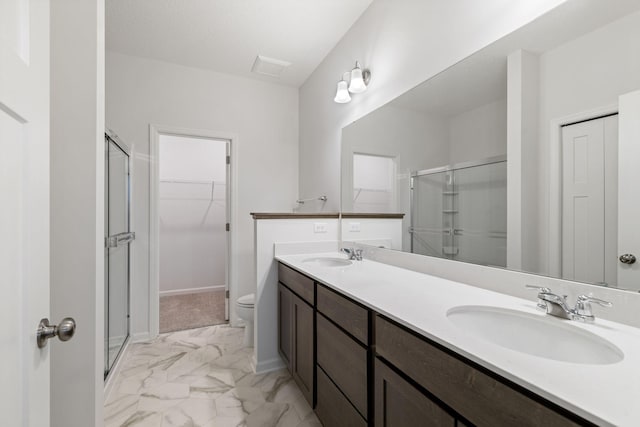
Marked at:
<point>480,232</point>
<point>460,212</point>
<point>430,214</point>
<point>117,239</point>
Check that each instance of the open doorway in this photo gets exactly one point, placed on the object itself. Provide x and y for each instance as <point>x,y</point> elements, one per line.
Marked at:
<point>374,183</point>
<point>193,211</point>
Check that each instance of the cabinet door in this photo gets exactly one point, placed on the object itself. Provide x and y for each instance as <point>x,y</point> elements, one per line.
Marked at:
<point>398,403</point>
<point>302,366</point>
<point>285,329</point>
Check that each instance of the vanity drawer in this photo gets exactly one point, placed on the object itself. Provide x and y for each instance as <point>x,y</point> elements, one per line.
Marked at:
<point>478,397</point>
<point>345,313</point>
<point>333,409</point>
<point>344,361</point>
<point>298,283</point>
<point>399,403</point>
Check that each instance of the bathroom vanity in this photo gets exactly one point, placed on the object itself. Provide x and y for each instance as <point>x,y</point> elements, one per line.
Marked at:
<point>374,344</point>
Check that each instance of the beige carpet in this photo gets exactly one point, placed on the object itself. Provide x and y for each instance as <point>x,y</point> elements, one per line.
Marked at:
<point>180,312</point>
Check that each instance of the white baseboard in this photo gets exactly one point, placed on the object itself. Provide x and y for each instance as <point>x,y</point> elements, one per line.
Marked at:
<point>267,365</point>
<point>141,336</point>
<point>191,290</point>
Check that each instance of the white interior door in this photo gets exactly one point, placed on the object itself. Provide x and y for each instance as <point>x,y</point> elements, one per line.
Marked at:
<point>589,200</point>
<point>629,177</point>
<point>24,210</point>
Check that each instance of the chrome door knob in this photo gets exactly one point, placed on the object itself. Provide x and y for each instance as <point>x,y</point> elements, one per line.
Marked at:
<point>627,259</point>
<point>64,331</point>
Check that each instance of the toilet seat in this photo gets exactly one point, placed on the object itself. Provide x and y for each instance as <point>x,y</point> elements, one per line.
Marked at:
<point>247,300</point>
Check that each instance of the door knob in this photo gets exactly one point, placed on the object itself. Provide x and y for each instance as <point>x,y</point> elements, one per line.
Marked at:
<point>627,259</point>
<point>64,331</point>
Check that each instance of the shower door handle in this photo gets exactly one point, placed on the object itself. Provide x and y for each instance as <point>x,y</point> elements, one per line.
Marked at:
<point>117,239</point>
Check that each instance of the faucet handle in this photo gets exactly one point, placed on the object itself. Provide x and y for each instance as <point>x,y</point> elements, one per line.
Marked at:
<point>541,289</point>
<point>357,253</point>
<point>583,306</point>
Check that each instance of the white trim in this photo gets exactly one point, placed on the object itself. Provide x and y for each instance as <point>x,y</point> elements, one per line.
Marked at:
<point>203,289</point>
<point>115,369</point>
<point>267,365</point>
<point>554,247</point>
<point>154,224</point>
<point>140,337</point>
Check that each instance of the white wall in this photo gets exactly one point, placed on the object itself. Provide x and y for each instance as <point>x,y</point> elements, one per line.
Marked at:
<point>77,210</point>
<point>478,133</point>
<point>264,118</point>
<point>192,210</point>
<point>402,42</point>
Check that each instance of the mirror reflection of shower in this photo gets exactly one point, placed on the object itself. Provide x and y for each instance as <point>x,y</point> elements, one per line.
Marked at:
<point>460,212</point>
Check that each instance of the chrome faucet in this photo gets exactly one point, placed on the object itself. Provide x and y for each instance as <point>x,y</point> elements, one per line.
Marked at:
<point>556,305</point>
<point>354,254</point>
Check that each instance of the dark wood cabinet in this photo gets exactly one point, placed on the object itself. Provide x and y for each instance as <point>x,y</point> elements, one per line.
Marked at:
<point>284,325</point>
<point>303,346</point>
<point>399,404</point>
<point>344,360</point>
<point>300,284</point>
<point>333,408</point>
<point>351,317</point>
<point>296,339</point>
<point>358,368</point>
<point>482,398</point>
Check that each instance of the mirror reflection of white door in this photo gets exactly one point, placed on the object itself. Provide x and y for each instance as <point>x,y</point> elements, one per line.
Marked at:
<point>24,210</point>
<point>589,200</point>
<point>628,189</point>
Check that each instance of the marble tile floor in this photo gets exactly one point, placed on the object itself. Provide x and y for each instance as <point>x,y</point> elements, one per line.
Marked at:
<point>202,378</point>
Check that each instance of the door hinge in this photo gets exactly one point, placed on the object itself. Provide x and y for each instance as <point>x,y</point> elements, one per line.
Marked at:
<point>226,294</point>
<point>228,160</point>
<point>227,227</point>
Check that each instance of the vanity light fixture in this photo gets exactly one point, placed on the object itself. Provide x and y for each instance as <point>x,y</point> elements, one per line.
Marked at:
<point>342,92</point>
<point>357,83</point>
<point>359,79</point>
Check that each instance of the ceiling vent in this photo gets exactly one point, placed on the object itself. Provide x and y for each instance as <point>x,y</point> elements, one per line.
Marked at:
<point>269,66</point>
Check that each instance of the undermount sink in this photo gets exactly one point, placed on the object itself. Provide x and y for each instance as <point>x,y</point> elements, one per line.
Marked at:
<point>539,336</point>
<point>328,262</point>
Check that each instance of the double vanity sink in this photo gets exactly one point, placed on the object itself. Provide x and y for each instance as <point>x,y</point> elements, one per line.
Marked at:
<point>588,369</point>
<point>534,335</point>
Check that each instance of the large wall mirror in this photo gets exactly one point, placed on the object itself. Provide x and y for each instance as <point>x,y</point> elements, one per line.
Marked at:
<point>525,155</point>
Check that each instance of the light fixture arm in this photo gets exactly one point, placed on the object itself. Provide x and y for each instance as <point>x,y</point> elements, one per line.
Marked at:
<point>366,73</point>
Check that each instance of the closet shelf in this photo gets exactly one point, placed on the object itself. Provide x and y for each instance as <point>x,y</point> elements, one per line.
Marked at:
<point>212,183</point>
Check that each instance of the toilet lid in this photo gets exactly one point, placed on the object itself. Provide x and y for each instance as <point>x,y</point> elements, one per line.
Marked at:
<point>249,299</point>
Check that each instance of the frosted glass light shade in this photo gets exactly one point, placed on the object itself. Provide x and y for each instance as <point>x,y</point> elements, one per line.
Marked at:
<point>357,84</point>
<point>342,93</point>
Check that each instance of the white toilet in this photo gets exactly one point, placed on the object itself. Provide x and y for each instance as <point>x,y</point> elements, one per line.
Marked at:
<point>244,309</point>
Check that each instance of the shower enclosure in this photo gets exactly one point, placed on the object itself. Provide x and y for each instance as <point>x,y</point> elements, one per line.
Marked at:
<point>117,240</point>
<point>460,212</point>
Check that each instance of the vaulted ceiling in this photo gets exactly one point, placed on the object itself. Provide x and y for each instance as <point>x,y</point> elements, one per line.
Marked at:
<point>227,35</point>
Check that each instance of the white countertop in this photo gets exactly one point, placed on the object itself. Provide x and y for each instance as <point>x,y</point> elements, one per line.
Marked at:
<point>607,395</point>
